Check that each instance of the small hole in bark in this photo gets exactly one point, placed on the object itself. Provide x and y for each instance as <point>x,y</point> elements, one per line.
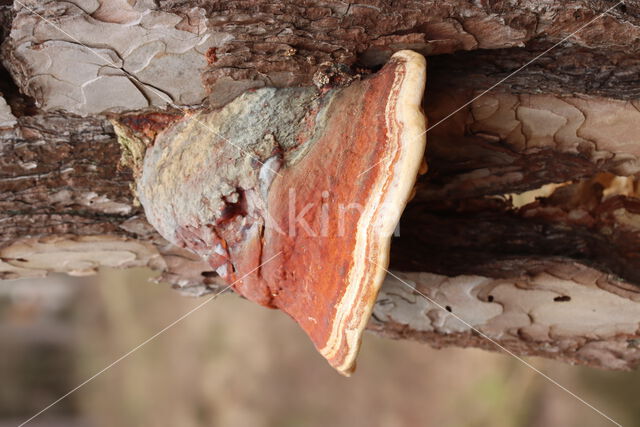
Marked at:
<point>20,104</point>
<point>562,298</point>
<point>448,308</point>
<point>209,274</point>
<point>490,298</point>
<point>21,260</point>
<point>623,8</point>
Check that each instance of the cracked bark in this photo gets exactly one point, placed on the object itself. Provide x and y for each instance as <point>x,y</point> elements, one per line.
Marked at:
<point>557,276</point>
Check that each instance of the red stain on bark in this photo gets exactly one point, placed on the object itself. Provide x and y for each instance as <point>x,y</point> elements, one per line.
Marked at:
<point>148,125</point>
<point>211,55</point>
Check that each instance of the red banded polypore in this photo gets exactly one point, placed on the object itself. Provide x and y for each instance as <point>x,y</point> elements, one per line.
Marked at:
<point>293,194</point>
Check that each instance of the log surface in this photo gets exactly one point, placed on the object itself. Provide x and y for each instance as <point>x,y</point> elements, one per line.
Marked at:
<point>474,239</point>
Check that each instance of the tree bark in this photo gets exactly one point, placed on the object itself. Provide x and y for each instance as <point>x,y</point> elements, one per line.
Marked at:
<point>525,227</point>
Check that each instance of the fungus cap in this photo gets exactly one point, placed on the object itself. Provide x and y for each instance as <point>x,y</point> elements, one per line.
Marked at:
<point>293,194</point>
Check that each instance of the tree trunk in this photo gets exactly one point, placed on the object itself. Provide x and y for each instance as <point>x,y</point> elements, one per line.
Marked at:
<point>526,226</point>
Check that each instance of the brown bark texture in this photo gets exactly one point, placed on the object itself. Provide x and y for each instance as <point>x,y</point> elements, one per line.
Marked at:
<point>526,227</point>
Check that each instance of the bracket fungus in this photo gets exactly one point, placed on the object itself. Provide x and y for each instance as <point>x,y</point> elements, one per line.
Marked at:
<point>293,194</point>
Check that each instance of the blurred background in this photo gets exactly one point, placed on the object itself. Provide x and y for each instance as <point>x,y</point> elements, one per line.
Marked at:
<point>233,363</point>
